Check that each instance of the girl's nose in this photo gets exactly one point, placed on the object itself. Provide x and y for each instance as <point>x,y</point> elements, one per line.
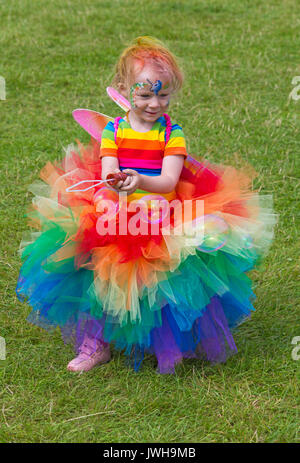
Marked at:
<point>154,102</point>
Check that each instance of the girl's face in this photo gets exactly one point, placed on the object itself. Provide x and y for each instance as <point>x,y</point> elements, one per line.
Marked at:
<point>150,94</point>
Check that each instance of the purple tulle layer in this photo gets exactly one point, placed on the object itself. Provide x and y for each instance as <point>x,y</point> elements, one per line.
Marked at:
<point>211,338</point>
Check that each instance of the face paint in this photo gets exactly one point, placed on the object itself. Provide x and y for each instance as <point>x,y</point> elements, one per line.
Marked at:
<point>154,87</point>
<point>134,89</point>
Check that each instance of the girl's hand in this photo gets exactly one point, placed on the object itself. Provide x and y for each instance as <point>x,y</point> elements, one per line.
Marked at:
<point>132,182</point>
<point>120,182</point>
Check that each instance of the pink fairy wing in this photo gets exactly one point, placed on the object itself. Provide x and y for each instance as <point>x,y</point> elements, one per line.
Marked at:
<point>118,98</point>
<point>91,121</point>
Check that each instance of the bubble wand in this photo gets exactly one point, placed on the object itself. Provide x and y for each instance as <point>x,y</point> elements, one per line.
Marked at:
<point>112,178</point>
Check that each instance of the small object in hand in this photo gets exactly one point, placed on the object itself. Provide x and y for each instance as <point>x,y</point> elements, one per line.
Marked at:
<point>111,179</point>
<point>116,177</point>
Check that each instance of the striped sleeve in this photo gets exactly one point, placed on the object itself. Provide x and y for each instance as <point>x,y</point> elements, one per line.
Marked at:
<point>108,146</point>
<point>176,143</point>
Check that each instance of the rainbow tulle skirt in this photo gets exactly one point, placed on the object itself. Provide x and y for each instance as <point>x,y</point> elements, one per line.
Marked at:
<point>175,294</point>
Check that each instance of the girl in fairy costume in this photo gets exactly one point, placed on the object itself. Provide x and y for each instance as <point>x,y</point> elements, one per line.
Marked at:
<point>119,275</point>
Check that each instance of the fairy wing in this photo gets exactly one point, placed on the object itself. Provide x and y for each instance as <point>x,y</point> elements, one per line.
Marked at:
<point>118,98</point>
<point>92,121</point>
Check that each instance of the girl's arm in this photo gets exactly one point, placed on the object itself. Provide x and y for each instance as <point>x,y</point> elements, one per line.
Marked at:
<point>164,183</point>
<point>110,164</point>
<point>168,179</point>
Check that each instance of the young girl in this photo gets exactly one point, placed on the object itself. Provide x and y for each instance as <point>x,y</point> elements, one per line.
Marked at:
<point>143,291</point>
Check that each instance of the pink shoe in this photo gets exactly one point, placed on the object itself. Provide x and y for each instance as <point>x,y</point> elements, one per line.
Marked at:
<point>91,353</point>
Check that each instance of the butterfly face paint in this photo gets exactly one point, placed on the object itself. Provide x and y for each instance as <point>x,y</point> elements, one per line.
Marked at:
<point>153,87</point>
<point>156,86</point>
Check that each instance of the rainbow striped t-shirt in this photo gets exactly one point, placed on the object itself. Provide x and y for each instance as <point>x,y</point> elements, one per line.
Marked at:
<point>142,151</point>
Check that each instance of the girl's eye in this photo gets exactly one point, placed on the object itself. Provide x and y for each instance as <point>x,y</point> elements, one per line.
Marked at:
<point>145,96</point>
<point>163,95</point>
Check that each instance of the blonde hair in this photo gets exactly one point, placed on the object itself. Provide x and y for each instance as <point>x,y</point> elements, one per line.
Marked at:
<point>144,50</point>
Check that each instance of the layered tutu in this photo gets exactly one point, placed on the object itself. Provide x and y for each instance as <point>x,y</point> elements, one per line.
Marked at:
<point>173,293</point>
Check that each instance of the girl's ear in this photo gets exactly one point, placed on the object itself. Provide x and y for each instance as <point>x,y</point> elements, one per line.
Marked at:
<point>122,89</point>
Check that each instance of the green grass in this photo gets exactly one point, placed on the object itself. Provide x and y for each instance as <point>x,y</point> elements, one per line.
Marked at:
<point>239,59</point>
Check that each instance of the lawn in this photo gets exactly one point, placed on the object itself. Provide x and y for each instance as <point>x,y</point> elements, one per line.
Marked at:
<point>239,57</point>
